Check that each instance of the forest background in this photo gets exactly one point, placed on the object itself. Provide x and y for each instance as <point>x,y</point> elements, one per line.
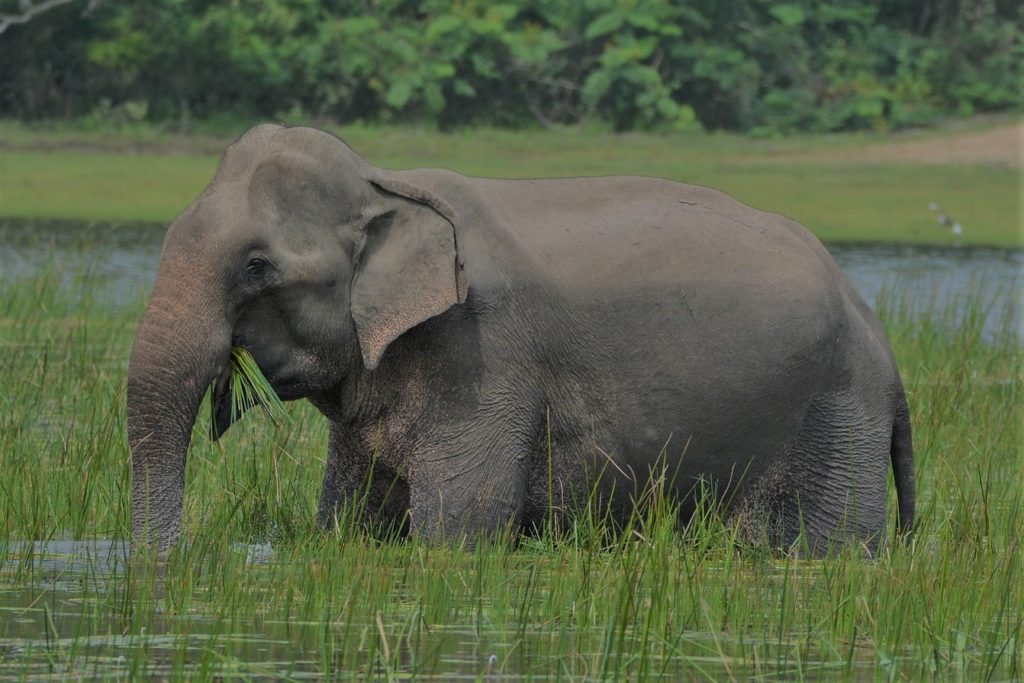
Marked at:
<point>761,67</point>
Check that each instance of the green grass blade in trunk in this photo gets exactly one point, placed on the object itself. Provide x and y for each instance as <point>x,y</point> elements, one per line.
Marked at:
<point>250,388</point>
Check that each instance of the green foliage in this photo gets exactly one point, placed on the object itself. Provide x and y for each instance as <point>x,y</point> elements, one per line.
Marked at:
<point>751,65</point>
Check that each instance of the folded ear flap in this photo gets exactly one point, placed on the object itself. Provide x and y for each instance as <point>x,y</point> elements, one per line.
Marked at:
<point>408,268</point>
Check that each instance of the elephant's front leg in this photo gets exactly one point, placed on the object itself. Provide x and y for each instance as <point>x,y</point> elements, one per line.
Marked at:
<point>467,493</point>
<point>359,486</point>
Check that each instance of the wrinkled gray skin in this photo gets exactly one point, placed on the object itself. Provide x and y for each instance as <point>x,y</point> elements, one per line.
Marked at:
<point>451,328</point>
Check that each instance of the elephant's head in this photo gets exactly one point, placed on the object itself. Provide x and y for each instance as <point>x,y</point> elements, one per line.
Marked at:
<point>303,253</point>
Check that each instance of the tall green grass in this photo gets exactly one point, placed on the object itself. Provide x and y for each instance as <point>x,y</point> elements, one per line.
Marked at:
<point>648,603</point>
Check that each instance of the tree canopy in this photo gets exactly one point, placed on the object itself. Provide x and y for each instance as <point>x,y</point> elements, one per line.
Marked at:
<point>751,65</point>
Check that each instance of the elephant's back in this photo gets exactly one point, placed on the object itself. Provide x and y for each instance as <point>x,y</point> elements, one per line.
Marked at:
<point>645,264</point>
<point>614,233</point>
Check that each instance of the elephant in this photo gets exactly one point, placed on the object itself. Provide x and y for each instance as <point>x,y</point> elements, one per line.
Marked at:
<point>491,354</point>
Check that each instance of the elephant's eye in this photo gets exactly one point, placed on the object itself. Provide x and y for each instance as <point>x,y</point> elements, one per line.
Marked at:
<point>256,267</point>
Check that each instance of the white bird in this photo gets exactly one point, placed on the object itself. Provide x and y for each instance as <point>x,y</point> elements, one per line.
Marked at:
<point>946,221</point>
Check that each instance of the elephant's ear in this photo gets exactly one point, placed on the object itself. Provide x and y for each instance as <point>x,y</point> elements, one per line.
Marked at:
<point>408,268</point>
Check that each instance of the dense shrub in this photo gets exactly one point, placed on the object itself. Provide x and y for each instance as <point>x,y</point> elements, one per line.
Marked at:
<point>754,65</point>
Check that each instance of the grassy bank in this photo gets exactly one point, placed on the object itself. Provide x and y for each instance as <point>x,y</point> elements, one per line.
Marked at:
<point>653,605</point>
<point>844,188</point>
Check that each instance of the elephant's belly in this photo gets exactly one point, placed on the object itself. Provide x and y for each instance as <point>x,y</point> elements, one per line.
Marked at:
<point>711,386</point>
<point>710,436</point>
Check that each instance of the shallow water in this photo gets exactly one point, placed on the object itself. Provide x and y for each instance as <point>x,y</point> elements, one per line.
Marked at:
<point>928,278</point>
<point>122,260</point>
<point>62,615</point>
<point>119,259</point>
<point>59,558</point>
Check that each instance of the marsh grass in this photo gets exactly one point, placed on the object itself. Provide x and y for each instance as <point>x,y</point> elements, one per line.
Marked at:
<point>256,591</point>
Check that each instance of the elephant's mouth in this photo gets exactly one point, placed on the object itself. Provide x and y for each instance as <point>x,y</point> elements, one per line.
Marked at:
<point>222,416</point>
<point>251,384</point>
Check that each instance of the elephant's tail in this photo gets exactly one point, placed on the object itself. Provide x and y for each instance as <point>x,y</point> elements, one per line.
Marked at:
<point>901,451</point>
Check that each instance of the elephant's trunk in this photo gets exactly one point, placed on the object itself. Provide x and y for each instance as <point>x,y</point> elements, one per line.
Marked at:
<point>177,352</point>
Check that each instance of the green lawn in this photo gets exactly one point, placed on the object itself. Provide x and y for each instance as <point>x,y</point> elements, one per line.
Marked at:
<point>147,176</point>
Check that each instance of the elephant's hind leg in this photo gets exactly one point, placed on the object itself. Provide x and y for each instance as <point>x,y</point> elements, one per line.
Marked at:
<point>829,489</point>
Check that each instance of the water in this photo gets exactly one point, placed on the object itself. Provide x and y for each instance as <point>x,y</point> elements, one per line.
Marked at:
<point>929,278</point>
<point>121,259</point>
<point>71,611</point>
